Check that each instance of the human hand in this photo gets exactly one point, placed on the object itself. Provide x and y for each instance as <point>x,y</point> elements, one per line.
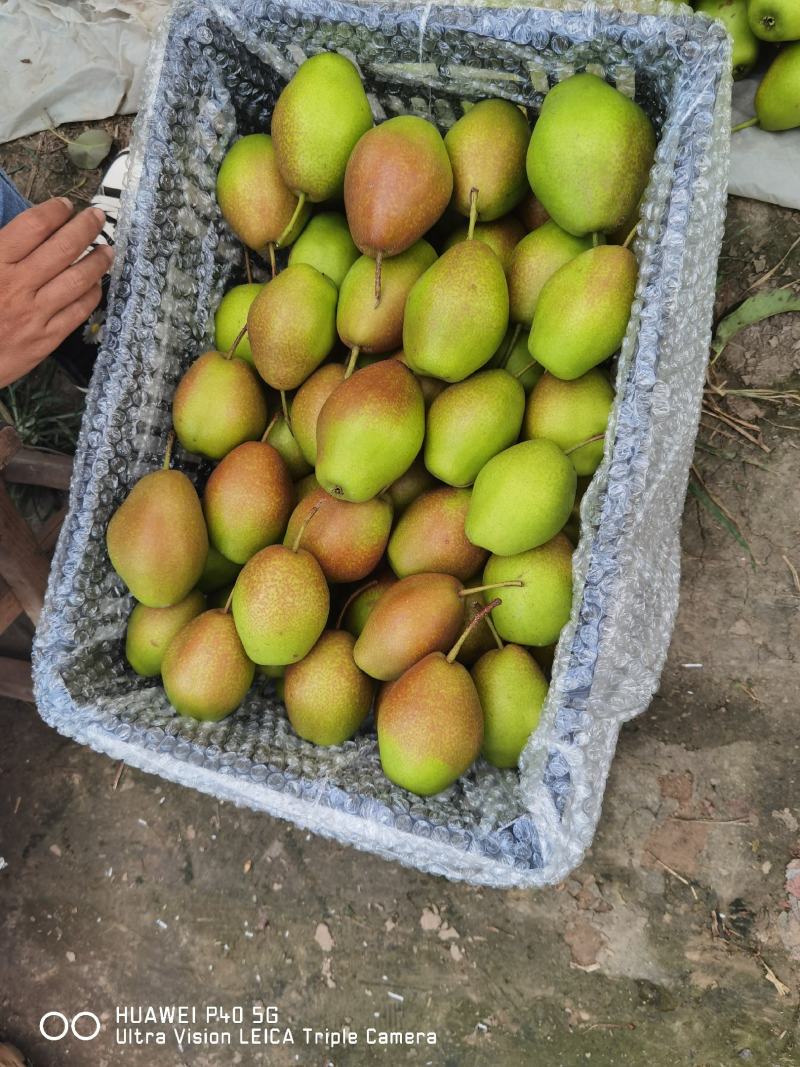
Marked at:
<point>44,293</point>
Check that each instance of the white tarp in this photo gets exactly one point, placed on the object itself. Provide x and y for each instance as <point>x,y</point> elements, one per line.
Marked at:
<point>78,60</point>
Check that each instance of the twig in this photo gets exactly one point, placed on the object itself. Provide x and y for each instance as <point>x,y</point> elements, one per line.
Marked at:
<point>673,873</point>
<point>793,572</point>
<point>717,414</point>
<point>119,774</point>
<point>766,277</point>
<point>710,822</point>
<point>609,1026</point>
<point>781,988</point>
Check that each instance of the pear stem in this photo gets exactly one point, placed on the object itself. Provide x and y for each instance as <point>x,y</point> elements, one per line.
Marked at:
<point>510,347</point>
<point>627,242</point>
<point>476,618</point>
<point>235,345</point>
<point>248,269</point>
<point>596,239</point>
<point>528,366</point>
<point>582,444</point>
<point>227,607</point>
<point>351,363</point>
<point>285,408</point>
<point>273,266</point>
<point>378,266</point>
<point>270,425</point>
<point>168,450</point>
<point>301,201</point>
<point>495,585</point>
<point>351,598</point>
<point>306,521</point>
<point>473,212</point>
<point>743,125</point>
<point>495,634</point>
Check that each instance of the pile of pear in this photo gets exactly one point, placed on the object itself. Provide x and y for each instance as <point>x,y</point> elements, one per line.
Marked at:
<point>401,421</point>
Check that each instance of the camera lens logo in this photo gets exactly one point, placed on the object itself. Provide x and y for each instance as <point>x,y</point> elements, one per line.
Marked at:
<point>54,1026</point>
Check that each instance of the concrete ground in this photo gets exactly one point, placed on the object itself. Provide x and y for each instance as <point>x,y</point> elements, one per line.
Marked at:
<point>676,942</point>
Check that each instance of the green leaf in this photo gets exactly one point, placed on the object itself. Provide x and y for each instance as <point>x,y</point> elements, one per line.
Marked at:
<point>754,309</point>
<point>713,509</point>
<point>89,149</point>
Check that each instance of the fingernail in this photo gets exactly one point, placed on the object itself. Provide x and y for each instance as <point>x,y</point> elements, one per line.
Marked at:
<point>99,214</point>
<point>65,200</point>
<point>109,251</point>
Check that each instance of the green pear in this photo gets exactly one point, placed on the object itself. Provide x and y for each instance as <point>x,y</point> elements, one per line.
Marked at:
<point>282,439</point>
<point>589,155</point>
<point>535,259</point>
<point>205,671</point>
<point>369,431</point>
<point>733,14</point>
<point>531,213</point>
<point>512,690</point>
<point>327,697</point>
<point>360,603</point>
<point>218,572</point>
<point>778,95</point>
<point>409,486</point>
<point>770,20</point>
<point>570,413</point>
<point>247,500</point>
<point>231,316</point>
<point>431,387</point>
<point>319,117</point>
<point>487,148</point>
<point>457,313</point>
<point>157,540</point>
<point>309,401</point>
<point>292,325</point>
<point>347,540</point>
<point>150,630</point>
<point>502,236</point>
<point>583,311</point>
<point>218,404</point>
<point>326,245</point>
<point>521,498</point>
<point>253,197</point>
<point>430,537</point>
<point>517,361</point>
<point>470,422</point>
<point>306,486</point>
<point>360,323</point>
<point>534,612</point>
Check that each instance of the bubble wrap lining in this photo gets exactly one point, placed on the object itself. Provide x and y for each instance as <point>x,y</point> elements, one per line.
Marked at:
<point>215,73</point>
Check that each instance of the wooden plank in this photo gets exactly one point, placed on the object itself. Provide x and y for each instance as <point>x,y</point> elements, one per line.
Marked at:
<point>10,607</point>
<point>34,466</point>
<point>9,443</point>
<point>22,563</point>
<point>15,679</point>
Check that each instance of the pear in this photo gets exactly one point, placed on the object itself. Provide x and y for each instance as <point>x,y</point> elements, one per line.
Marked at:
<point>583,311</point>
<point>280,603</point>
<point>157,540</point>
<point>292,325</point>
<point>431,387</point>
<point>409,486</point>
<point>487,148</point>
<point>318,118</point>
<point>309,401</point>
<point>501,236</point>
<point>280,436</point>
<point>326,245</point>
<point>521,498</point>
<point>531,213</point>
<point>359,604</point>
<point>398,182</point>
<point>589,155</point>
<point>247,500</point>
<point>205,671</point>
<point>231,316</point>
<point>430,537</point>
<point>512,690</point>
<point>306,486</point>
<point>470,422</point>
<point>327,697</point>
<point>369,431</point>
<point>218,572</point>
<point>360,323</point>
<point>218,404</point>
<point>574,415</point>
<point>253,197</point>
<point>430,723</point>
<point>535,259</point>
<point>457,313</point>
<point>517,361</point>
<point>150,630</point>
<point>535,612</point>
<point>733,14</point>
<point>348,540</point>
<point>778,95</point>
<point>770,20</point>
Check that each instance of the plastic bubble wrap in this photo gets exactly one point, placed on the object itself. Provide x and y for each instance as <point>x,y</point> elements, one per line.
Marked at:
<point>215,73</point>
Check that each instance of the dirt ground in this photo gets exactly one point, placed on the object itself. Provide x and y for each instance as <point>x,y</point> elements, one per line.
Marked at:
<point>676,942</point>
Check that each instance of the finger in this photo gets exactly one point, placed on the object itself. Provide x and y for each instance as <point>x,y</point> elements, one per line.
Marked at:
<point>74,281</point>
<point>28,230</point>
<point>70,318</point>
<point>66,244</point>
